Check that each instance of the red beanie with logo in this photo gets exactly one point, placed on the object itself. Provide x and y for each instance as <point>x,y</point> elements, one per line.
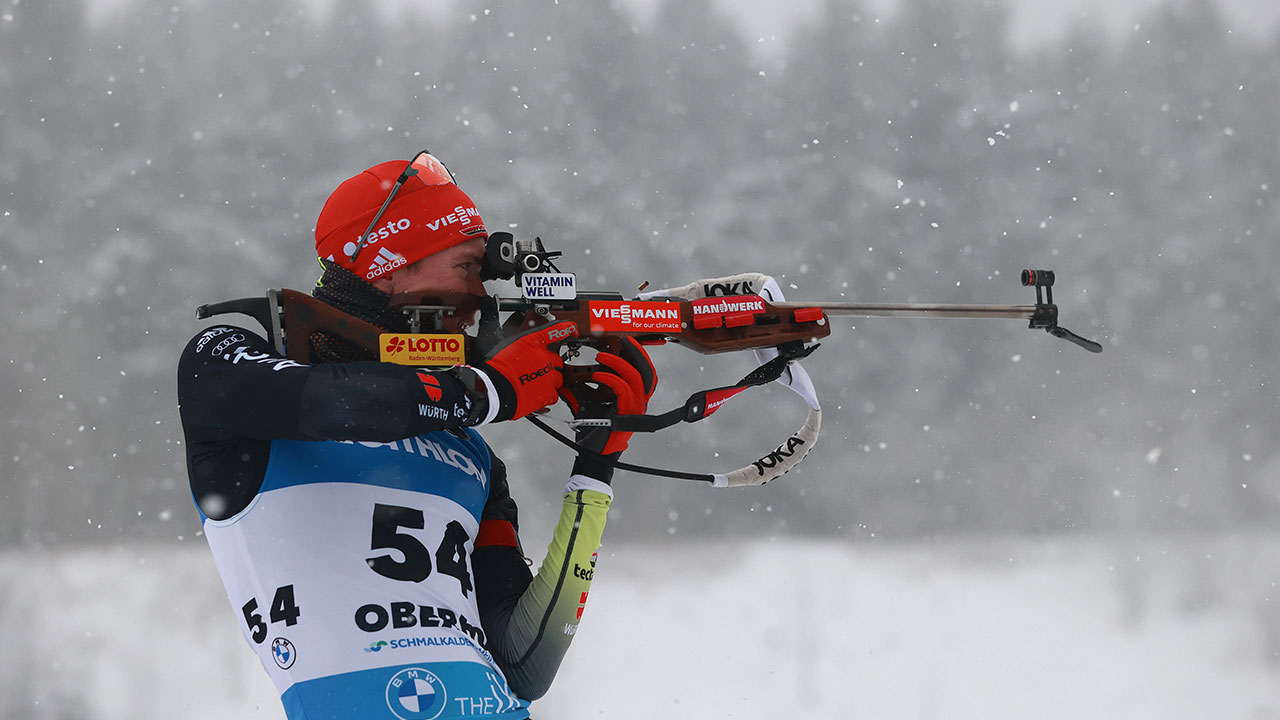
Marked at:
<point>423,219</point>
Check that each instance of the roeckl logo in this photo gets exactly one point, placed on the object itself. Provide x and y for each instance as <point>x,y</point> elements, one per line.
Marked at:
<point>560,334</point>
<point>530,377</point>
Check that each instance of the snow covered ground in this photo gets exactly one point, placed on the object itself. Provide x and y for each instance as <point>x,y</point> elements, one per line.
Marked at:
<point>1160,628</point>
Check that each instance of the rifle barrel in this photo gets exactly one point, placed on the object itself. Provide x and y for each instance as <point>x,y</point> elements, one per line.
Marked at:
<point>922,310</point>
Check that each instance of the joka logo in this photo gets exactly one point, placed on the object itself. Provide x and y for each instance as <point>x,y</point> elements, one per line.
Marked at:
<point>431,384</point>
<point>395,345</point>
<point>728,288</point>
<point>384,262</point>
<point>416,694</point>
<point>780,454</point>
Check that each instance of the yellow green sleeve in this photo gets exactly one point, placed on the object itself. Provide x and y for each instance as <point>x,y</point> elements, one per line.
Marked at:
<point>546,617</point>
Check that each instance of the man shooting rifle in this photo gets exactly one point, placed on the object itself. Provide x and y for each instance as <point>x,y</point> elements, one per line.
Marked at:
<point>363,529</point>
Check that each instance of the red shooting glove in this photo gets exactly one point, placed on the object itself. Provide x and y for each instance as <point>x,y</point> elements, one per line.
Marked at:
<point>526,371</point>
<point>623,386</point>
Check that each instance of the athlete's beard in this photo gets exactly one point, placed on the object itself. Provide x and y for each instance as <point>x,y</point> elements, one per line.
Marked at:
<point>347,292</point>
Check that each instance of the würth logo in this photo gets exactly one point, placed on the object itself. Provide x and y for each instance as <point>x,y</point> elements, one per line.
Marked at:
<point>384,262</point>
<point>431,384</point>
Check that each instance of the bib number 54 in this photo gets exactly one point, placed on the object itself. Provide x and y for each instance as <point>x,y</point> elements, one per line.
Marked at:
<point>413,564</point>
<point>283,609</point>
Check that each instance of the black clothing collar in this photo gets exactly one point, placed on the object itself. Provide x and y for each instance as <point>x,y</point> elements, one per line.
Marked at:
<point>349,293</point>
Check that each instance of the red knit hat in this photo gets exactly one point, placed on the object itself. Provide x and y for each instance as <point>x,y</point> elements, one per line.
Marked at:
<point>429,214</point>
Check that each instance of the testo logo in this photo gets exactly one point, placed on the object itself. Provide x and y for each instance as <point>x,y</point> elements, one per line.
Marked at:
<point>393,227</point>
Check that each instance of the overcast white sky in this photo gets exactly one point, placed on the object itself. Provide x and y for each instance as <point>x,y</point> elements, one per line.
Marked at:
<point>1033,21</point>
<point>769,23</point>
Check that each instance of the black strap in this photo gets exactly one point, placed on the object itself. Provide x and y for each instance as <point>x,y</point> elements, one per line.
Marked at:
<point>695,408</point>
<point>615,462</point>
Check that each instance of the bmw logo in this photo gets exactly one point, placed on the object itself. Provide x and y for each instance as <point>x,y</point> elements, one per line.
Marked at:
<point>283,652</point>
<point>416,694</point>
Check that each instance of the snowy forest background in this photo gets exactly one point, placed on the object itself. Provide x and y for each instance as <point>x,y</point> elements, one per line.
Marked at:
<point>159,156</point>
<point>177,155</point>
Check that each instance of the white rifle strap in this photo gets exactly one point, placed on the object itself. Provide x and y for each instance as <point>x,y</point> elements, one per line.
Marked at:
<point>791,452</point>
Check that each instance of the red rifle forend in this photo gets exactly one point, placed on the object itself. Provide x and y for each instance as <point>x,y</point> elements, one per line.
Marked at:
<point>713,325</point>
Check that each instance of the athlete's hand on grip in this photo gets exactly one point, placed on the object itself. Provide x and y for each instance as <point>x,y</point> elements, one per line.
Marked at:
<point>622,386</point>
<point>526,372</point>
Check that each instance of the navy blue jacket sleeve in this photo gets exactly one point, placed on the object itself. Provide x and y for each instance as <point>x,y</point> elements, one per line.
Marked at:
<point>232,383</point>
<point>236,394</point>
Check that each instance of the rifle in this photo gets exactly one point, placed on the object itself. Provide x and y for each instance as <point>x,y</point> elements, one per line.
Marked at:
<point>739,312</point>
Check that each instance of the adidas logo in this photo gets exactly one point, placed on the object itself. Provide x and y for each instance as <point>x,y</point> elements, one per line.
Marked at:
<point>384,262</point>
